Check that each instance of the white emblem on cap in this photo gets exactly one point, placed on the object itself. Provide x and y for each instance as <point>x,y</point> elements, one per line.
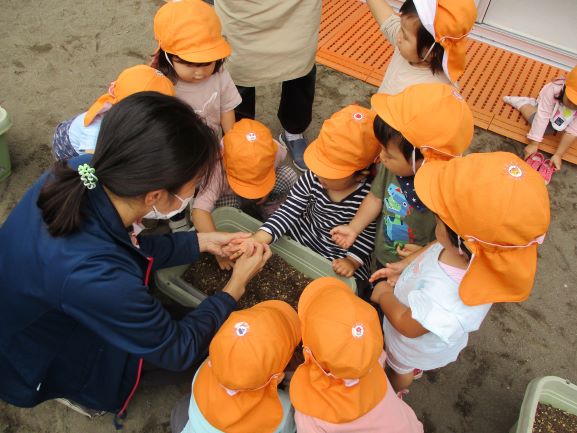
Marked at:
<point>358,116</point>
<point>358,330</point>
<point>241,328</point>
<point>514,170</point>
<point>457,95</point>
<point>251,136</point>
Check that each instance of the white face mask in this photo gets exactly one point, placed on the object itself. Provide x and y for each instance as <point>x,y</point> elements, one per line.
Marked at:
<point>154,214</point>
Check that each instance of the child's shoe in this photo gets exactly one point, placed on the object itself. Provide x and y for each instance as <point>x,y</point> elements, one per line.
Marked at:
<point>547,170</point>
<point>402,393</point>
<point>417,374</point>
<point>296,147</point>
<point>90,413</point>
<point>518,101</point>
<point>535,160</point>
<point>180,225</point>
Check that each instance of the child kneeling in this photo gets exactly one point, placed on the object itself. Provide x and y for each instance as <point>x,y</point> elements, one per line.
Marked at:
<point>235,389</point>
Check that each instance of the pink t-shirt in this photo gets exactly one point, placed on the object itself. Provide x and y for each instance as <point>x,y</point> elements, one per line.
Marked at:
<point>211,97</point>
<point>547,103</point>
<point>219,186</point>
<point>390,415</point>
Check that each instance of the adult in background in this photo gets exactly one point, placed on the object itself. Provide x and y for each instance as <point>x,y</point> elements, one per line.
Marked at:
<point>274,41</point>
<point>77,320</point>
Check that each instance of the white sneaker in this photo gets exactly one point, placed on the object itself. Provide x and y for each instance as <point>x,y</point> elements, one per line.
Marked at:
<point>90,413</point>
<point>518,101</point>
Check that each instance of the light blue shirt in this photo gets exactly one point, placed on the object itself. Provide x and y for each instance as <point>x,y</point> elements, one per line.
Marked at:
<point>82,137</point>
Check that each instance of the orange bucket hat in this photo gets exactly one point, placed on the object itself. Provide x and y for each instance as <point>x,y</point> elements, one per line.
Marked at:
<point>571,85</point>
<point>191,30</point>
<point>433,117</point>
<point>236,388</point>
<point>449,22</point>
<point>140,78</point>
<point>499,206</point>
<point>346,144</point>
<point>341,378</point>
<point>249,154</point>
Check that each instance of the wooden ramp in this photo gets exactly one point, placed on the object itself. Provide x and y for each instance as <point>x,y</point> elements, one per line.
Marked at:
<point>350,42</point>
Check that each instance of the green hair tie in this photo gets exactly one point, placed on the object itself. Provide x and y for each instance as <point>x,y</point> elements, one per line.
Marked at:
<point>87,176</point>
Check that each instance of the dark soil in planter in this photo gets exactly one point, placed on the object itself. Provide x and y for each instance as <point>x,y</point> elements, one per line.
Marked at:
<point>551,420</point>
<point>277,280</point>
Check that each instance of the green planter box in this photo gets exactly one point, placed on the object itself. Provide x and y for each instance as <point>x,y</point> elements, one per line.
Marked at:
<point>170,282</point>
<point>552,390</point>
<point>5,166</point>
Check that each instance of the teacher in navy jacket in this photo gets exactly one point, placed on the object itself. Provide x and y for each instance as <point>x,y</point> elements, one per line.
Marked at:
<point>76,317</point>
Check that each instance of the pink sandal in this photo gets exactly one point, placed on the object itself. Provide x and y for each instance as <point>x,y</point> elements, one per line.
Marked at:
<point>535,160</point>
<point>546,170</point>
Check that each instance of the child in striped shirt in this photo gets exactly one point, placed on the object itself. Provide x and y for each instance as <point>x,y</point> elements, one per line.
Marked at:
<point>330,193</point>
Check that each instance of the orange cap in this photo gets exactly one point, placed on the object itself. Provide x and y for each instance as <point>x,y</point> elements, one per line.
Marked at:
<point>571,85</point>
<point>499,206</point>
<point>432,117</point>
<point>236,389</point>
<point>190,29</point>
<point>140,78</point>
<point>346,144</point>
<point>249,154</point>
<point>341,378</point>
<point>449,22</point>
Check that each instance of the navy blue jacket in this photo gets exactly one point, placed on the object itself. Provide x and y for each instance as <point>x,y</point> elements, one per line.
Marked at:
<point>75,313</point>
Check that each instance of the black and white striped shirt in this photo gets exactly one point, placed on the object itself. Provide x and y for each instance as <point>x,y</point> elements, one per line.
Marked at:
<point>308,215</point>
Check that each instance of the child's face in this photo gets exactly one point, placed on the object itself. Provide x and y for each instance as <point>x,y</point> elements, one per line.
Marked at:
<point>407,38</point>
<point>337,184</point>
<point>394,160</point>
<point>192,72</point>
<point>567,103</point>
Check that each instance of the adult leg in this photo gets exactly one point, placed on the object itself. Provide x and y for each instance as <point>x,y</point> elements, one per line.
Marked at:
<point>246,109</point>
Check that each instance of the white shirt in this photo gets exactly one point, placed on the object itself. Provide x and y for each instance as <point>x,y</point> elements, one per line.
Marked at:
<point>433,298</point>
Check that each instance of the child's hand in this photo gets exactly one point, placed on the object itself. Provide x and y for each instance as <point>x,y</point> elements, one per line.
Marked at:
<point>345,267</point>
<point>391,272</point>
<point>408,249</point>
<point>557,161</point>
<point>344,236</point>
<point>380,289</point>
<point>238,247</point>
<point>224,263</point>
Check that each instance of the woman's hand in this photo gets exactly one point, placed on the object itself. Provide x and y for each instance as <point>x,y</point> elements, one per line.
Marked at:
<point>246,267</point>
<point>215,242</point>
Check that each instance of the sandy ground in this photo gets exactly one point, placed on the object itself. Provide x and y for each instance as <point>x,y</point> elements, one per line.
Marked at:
<point>60,56</point>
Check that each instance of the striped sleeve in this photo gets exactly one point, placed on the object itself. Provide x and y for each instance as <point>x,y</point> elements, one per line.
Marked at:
<point>291,210</point>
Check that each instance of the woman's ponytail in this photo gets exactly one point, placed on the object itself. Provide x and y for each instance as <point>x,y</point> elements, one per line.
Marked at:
<point>60,200</point>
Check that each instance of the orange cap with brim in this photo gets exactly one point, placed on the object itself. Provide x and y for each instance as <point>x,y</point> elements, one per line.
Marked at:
<point>140,78</point>
<point>346,144</point>
<point>191,30</point>
<point>499,206</point>
<point>341,378</point>
<point>433,117</point>
<point>249,155</point>
<point>449,22</point>
<point>571,85</point>
<point>236,388</point>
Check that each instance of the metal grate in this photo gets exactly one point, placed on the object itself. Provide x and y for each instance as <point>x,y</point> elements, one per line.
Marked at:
<point>350,41</point>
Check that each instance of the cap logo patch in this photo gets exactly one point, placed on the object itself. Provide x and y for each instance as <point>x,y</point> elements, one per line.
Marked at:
<point>358,331</point>
<point>457,95</point>
<point>514,170</point>
<point>241,328</point>
<point>358,116</point>
<point>251,136</point>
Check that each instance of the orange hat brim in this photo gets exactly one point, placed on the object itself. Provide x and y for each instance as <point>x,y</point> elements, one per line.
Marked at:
<point>318,163</point>
<point>571,85</point>
<point>493,275</point>
<point>220,50</point>
<point>97,107</point>
<point>252,190</point>
<point>259,410</point>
